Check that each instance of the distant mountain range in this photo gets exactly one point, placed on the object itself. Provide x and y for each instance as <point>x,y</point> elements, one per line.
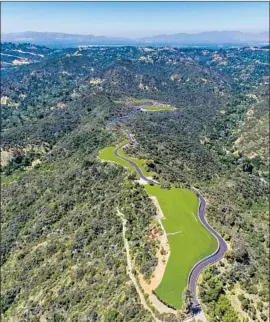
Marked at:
<point>210,37</point>
<point>203,38</point>
<point>61,39</point>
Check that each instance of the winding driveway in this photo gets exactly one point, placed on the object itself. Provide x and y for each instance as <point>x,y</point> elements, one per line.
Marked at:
<point>213,258</point>
<point>133,164</point>
<point>205,262</point>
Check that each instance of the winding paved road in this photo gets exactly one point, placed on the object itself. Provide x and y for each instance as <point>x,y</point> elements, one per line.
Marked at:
<point>205,262</point>
<point>130,139</point>
<point>133,164</point>
<point>123,117</point>
<point>213,258</point>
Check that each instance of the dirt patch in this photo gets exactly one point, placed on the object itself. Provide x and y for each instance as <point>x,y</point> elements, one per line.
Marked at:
<point>9,153</point>
<point>43,244</point>
<point>143,86</point>
<point>142,181</point>
<point>250,113</point>
<point>159,210</point>
<point>96,81</point>
<point>61,105</point>
<point>5,157</point>
<point>162,255</point>
<point>159,306</point>
<point>237,304</point>
<point>35,162</point>
<point>20,62</point>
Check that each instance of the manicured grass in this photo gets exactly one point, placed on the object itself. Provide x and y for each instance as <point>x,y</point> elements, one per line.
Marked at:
<point>108,155</point>
<point>140,162</point>
<point>191,243</point>
<point>158,108</point>
<point>144,103</point>
<point>140,100</point>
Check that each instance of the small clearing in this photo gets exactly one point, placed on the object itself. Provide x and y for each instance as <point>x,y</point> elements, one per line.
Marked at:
<point>5,157</point>
<point>142,181</point>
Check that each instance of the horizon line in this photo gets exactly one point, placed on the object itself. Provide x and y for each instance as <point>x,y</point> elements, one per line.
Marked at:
<point>129,37</point>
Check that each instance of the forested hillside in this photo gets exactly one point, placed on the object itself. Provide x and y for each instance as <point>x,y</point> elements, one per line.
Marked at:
<point>63,255</point>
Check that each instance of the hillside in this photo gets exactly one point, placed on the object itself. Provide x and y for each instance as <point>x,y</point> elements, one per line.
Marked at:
<point>252,141</point>
<point>63,251</point>
<point>13,55</point>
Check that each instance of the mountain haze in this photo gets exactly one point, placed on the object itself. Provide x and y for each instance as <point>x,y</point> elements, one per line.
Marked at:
<point>207,38</point>
<point>210,37</point>
<point>52,38</point>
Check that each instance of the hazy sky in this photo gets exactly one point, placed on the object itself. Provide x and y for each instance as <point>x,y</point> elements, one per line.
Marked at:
<point>133,19</point>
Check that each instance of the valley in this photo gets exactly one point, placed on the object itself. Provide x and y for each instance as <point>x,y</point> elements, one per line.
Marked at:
<point>180,209</point>
<point>89,192</point>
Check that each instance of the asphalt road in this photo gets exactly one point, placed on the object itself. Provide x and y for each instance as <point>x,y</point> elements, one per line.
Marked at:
<point>133,164</point>
<point>215,257</point>
<point>222,246</point>
<point>124,117</point>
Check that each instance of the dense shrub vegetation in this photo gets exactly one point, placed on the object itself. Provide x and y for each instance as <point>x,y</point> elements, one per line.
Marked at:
<point>62,250</point>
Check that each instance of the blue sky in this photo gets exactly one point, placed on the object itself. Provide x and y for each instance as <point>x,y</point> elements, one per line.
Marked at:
<point>133,19</point>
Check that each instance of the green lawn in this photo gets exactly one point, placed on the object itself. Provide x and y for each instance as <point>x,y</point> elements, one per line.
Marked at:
<point>145,105</point>
<point>108,155</point>
<point>191,243</point>
<point>158,108</point>
<point>140,162</point>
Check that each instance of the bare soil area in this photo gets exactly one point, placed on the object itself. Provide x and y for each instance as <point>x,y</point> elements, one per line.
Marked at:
<point>163,254</point>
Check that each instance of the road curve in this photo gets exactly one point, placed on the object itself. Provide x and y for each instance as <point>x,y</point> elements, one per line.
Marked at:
<point>123,117</point>
<point>205,262</point>
<point>133,164</point>
<point>130,139</point>
<point>209,260</point>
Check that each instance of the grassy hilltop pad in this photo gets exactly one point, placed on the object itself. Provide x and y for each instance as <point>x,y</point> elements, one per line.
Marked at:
<point>158,108</point>
<point>188,239</point>
<point>150,105</point>
<point>146,104</point>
